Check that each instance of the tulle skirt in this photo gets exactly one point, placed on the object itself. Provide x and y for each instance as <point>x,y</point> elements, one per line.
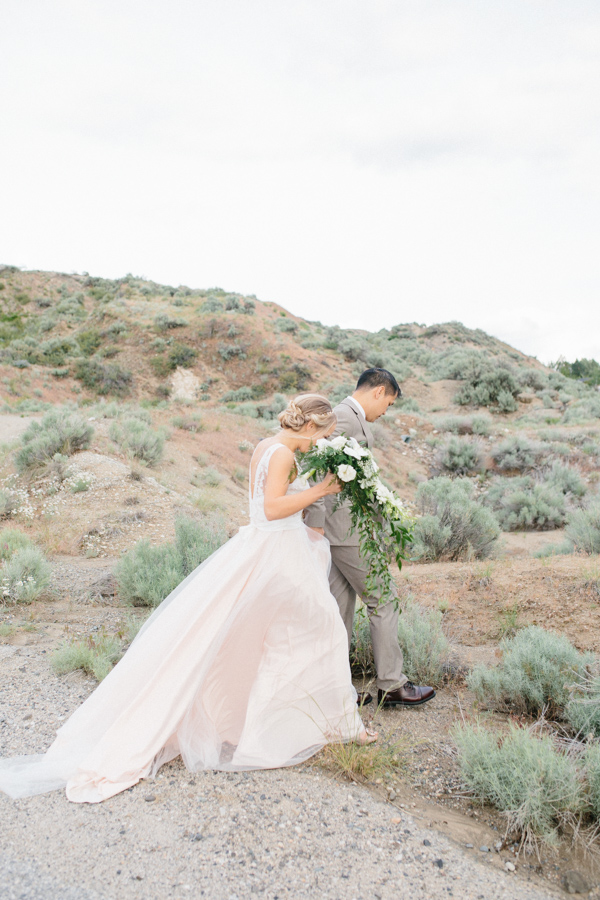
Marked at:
<point>243,666</point>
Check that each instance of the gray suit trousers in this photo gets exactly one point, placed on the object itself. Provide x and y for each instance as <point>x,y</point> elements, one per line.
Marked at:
<point>347,579</point>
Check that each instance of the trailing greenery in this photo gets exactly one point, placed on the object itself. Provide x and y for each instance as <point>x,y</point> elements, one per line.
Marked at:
<point>147,573</point>
<point>537,671</point>
<point>25,576</point>
<point>452,524</point>
<point>58,432</point>
<point>583,528</point>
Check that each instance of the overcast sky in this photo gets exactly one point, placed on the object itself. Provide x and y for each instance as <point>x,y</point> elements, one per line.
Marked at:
<point>361,163</point>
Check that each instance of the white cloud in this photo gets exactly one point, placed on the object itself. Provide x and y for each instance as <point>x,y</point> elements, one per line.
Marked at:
<point>359,163</point>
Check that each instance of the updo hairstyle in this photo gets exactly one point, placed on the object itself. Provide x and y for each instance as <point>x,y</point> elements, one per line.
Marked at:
<point>308,408</point>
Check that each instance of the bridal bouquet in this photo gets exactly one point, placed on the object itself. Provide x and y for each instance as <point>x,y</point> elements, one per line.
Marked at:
<point>383,526</point>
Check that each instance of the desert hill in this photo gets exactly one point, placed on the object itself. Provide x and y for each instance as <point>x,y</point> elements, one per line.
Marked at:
<point>164,391</point>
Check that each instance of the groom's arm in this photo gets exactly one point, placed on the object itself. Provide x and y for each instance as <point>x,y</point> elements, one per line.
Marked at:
<point>314,516</point>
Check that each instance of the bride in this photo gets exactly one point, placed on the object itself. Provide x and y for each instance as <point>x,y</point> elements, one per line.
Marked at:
<point>243,666</point>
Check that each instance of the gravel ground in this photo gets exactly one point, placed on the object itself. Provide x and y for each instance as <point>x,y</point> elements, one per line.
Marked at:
<point>282,833</point>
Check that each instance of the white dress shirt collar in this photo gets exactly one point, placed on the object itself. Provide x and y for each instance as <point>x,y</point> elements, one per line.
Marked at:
<point>357,407</point>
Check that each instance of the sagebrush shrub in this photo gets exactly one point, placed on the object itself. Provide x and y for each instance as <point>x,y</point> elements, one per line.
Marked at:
<point>517,453</point>
<point>460,457</point>
<point>566,479</point>
<point>103,378</point>
<point>537,670</point>
<point>524,776</point>
<point>464,424</point>
<point>136,438</point>
<point>11,540</point>
<point>592,776</point>
<point>147,574</point>
<point>424,645</point>
<point>58,432</point>
<point>583,709</point>
<point>452,524</point>
<point>8,503</point>
<point>95,655</point>
<point>583,528</point>
<point>494,387</point>
<point>522,503</point>
<point>25,576</point>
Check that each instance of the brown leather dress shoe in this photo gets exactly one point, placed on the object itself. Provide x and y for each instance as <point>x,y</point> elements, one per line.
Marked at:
<point>363,698</point>
<point>408,695</point>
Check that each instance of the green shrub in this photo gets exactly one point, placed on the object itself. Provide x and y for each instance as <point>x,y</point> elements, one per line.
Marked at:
<point>136,438</point>
<point>583,709</point>
<point>517,453</point>
<point>181,355</point>
<point>58,432</point>
<point>56,351</point>
<point>487,385</point>
<point>522,504</point>
<point>566,479</point>
<point>460,457</point>
<point>162,322</point>
<point>238,395</point>
<point>424,644</point>
<point>286,325</point>
<point>230,351</point>
<point>89,341</point>
<point>95,655</point>
<point>453,525</point>
<point>524,776</point>
<point>25,576</point>
<point>11,540</point>
<point>464,424</point>
<point>538,670</point>
<point>147,574</point>
<point>583,528</point>
<point>8,503</point>
<point>592,777</point>
<point>420,635</point>
<point>103,378</point>
<point>212,305</point>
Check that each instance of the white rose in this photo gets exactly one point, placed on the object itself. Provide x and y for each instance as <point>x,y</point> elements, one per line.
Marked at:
<point>355,452</point>
<point>338,443</point>
<point>346,473</point>
<point>322,444</point>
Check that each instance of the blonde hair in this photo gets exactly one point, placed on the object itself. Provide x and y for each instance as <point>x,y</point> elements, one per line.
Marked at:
<point>308,408</point>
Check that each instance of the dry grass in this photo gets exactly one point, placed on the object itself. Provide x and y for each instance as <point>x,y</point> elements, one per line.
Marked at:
<point>361,763</point>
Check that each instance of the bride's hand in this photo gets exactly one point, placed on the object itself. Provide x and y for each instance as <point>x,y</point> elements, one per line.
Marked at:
<point>331,485</point>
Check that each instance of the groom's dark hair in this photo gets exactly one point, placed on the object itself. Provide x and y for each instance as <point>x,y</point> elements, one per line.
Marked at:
<point>372,378</point>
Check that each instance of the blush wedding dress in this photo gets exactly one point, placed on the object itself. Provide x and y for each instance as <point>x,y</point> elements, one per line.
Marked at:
<point>243,666</point>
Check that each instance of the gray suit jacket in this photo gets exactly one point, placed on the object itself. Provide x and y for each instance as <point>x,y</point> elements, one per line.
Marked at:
<point>337,524</point>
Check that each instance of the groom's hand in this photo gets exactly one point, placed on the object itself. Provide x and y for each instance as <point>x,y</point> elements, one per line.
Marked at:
<point>320,531</point>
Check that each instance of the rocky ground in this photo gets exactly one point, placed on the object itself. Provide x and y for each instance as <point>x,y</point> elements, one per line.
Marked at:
<point>283,833</point>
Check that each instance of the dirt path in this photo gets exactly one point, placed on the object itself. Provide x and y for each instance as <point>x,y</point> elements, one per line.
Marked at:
<point>284,833</point>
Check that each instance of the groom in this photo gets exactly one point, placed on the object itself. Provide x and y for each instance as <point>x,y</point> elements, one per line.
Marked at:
<point>376,390</point>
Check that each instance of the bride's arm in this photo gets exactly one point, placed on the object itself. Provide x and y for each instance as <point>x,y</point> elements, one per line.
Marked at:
<point>280,506</point>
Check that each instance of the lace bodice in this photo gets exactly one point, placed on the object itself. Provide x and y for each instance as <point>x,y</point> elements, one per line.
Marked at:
<point>257,502</point>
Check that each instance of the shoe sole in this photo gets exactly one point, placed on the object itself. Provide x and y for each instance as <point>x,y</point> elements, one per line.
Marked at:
<point>407,704</point>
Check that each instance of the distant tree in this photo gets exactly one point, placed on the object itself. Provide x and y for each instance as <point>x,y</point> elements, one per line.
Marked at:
<point>587,370</point>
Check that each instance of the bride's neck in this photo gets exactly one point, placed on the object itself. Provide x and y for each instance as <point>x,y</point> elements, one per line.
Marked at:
<point>294,441</point>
